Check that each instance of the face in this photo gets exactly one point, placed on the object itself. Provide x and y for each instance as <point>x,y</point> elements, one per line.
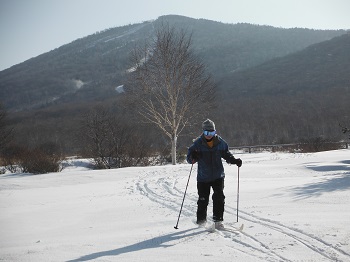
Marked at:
<point>208,137</point>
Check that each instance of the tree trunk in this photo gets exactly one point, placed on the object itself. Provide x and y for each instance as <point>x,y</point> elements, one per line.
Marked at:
<point>173,150</point>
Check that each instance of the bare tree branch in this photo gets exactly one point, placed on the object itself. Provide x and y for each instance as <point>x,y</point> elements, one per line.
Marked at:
<point>169,84</point>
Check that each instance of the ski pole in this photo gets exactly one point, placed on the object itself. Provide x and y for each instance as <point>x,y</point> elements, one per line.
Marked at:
<point>237,193</point>
<point>183,198</point>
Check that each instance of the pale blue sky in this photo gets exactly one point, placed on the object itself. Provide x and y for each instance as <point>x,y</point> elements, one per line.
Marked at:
<point>29,28</point>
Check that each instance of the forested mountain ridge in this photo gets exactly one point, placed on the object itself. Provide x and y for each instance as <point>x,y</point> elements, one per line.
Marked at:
<point>296,97</point>
<point>319,66</point>
<point>90,68</point>
<point>226,48</point>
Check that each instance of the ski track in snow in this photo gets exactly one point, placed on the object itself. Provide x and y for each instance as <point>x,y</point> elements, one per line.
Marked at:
<point>168,193</point>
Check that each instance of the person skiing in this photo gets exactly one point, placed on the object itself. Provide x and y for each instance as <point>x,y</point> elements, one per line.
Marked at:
<point>207,150</point>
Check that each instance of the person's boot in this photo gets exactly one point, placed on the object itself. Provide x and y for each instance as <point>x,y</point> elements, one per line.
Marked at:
<point>201,222</point>
<point>219,225</point>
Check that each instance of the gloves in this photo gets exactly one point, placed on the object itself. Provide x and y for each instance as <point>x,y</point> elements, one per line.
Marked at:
<point>195,156</point>
<point>238,162</point>
<point>235,161</point>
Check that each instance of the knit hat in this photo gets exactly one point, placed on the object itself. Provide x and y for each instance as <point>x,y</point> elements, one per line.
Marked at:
<point>208,125</point>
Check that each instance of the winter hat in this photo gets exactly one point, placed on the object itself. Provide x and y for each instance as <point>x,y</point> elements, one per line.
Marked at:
<point>208,125</point>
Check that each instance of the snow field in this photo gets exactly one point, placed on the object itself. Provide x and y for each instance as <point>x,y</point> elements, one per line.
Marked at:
<point>294,207</point>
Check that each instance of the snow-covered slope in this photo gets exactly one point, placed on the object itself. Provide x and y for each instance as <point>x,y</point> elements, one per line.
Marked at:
<point>294,207</point>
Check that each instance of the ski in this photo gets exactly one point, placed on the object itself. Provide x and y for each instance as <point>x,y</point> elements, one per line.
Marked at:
<point>231,229</point>
<point>210,227</point>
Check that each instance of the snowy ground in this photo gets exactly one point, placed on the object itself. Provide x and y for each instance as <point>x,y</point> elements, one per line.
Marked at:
<point>294,207</point>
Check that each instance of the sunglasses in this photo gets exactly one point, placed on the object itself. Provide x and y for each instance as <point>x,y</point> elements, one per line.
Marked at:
<point>209,133</point>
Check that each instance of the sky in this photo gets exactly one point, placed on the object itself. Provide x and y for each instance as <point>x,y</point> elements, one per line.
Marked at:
<point>29,28</point>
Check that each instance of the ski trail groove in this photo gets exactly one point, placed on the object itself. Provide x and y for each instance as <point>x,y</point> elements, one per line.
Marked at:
<point>312,242</point>
<point>168,192</point>
<point>158,190</point>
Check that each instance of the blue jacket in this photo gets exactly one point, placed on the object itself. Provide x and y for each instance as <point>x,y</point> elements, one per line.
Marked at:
<point>210,165</point>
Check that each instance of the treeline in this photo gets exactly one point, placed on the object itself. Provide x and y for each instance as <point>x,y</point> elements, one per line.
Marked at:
<point>109,134</point>
<point>112,136</point>
<point>284,119</point>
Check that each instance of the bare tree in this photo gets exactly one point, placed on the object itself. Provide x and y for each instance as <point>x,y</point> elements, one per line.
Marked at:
<point>345,129</point>
<point>110,140</point>
<point>170,83</point>
<point>6,133</point>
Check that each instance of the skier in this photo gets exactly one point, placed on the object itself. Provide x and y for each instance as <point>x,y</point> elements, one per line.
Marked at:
<point>207,150</point>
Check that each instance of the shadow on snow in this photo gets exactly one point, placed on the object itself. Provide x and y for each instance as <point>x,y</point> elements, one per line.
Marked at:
<point>333,182</point>
<point>155,242</point>
<point>337,183</point>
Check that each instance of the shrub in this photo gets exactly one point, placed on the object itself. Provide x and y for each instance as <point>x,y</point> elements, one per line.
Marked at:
<point>42,159</point>
<point>318,144</point>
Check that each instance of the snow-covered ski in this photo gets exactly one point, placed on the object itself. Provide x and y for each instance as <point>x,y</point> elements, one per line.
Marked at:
<point>226,228</point>
<point>211,228</point>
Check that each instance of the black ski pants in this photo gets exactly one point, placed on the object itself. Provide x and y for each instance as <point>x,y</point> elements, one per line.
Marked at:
<point>218,199</point>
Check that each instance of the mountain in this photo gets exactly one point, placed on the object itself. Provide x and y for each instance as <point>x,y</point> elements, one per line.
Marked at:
<point>274,85</point>
<point>319,67</point>
<point>90,68</point>
<point>296,97</point>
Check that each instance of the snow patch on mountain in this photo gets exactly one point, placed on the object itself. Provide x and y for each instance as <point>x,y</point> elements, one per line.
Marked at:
<point>120,89</point>
<point>78,83</point>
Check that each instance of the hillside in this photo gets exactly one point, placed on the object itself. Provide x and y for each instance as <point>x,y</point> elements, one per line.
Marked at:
<point>300,96</point>
<point>90,68</point>
<point>319,67</point>
<point>226,48</point>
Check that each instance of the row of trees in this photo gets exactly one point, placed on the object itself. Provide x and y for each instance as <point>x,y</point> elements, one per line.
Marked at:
<point>5,132</point>
<point>41,158</point>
